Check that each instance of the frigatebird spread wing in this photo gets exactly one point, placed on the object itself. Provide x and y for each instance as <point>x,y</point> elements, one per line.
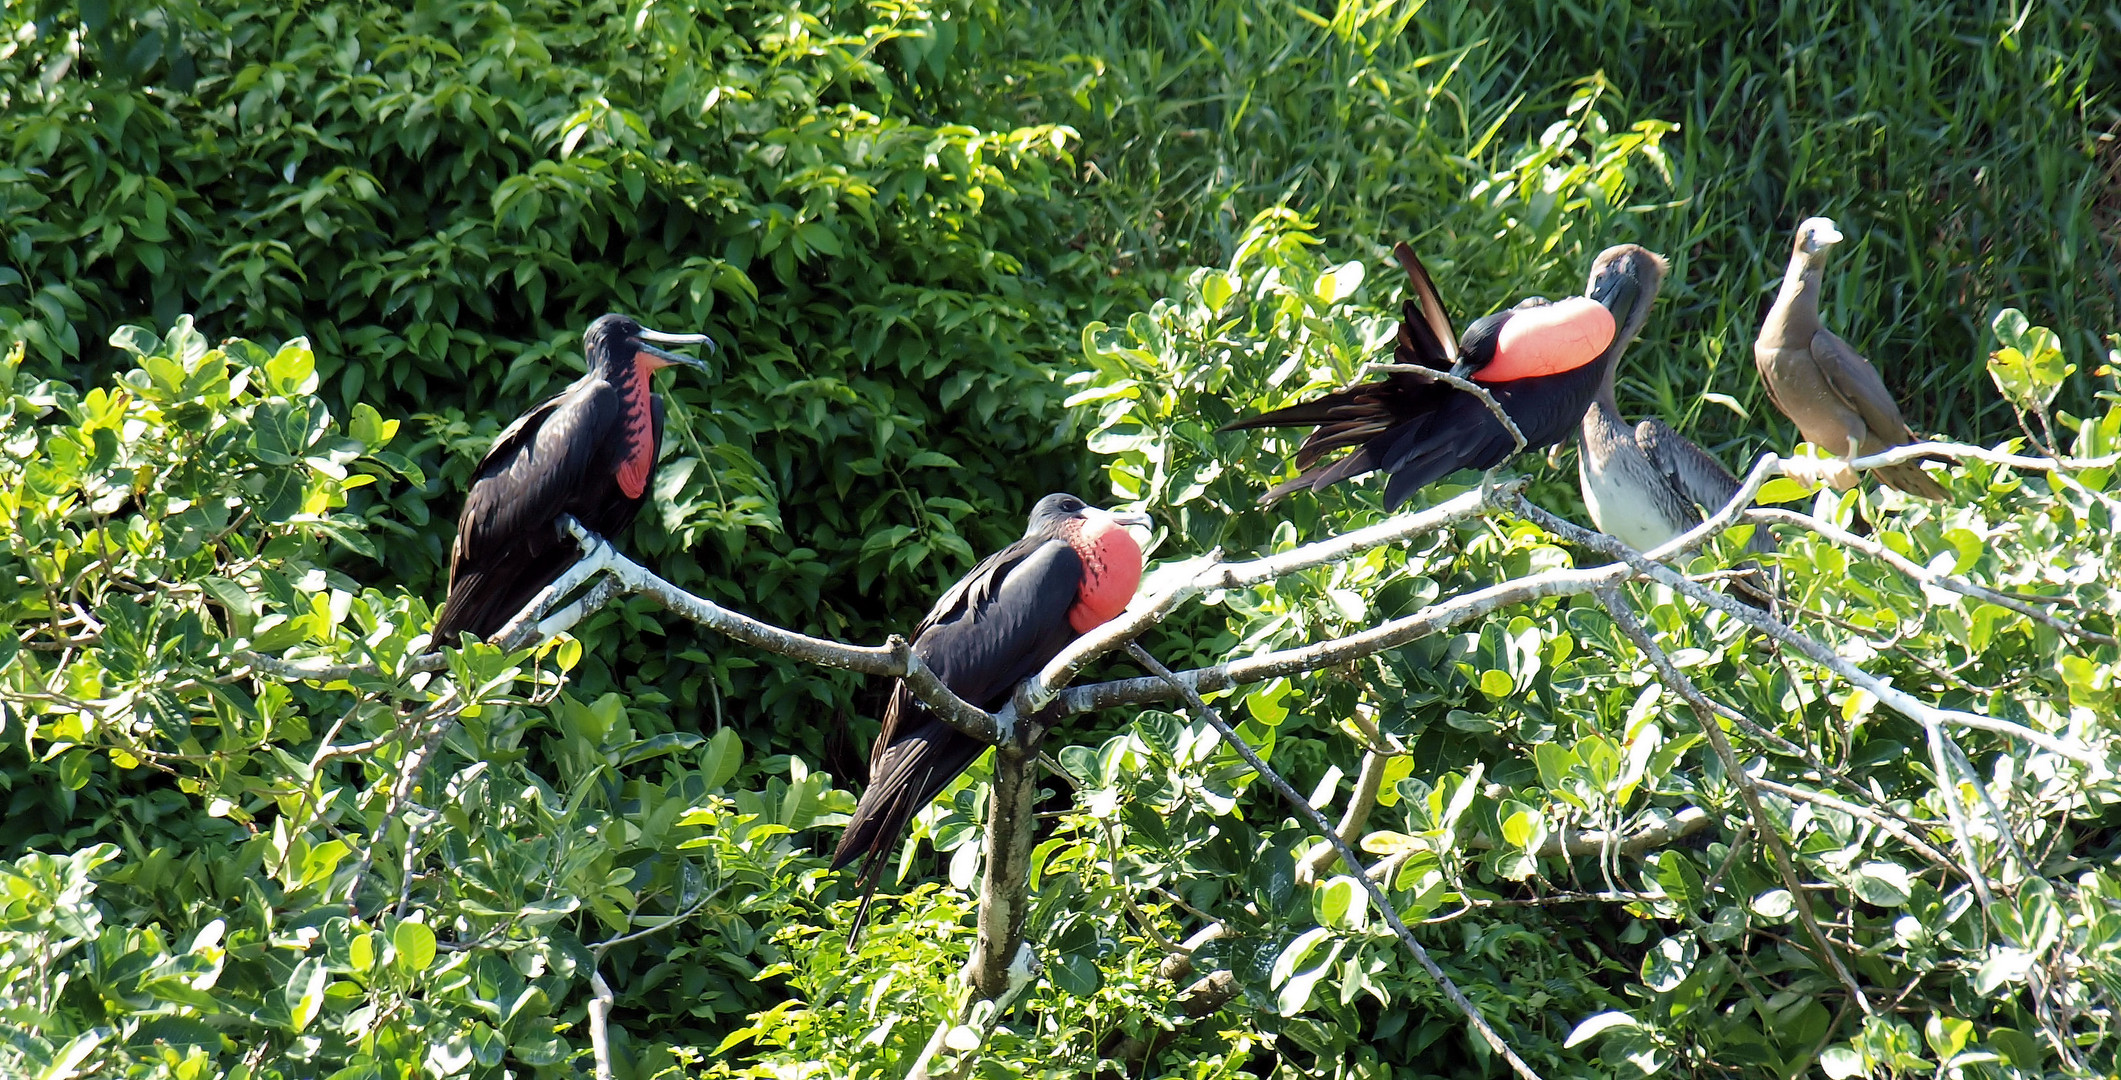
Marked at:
<point>1539,361</point>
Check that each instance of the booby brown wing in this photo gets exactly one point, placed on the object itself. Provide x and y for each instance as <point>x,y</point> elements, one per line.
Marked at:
<point>1857,384</point>
<point>1704,482</point>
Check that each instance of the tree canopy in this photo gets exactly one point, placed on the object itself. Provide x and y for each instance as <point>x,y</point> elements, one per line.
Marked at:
<point>274,278</point>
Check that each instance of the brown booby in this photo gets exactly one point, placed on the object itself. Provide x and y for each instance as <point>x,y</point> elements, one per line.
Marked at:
<point>1833,394</point>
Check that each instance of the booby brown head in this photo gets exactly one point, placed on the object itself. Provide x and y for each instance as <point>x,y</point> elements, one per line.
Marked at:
<point>1815,235</point>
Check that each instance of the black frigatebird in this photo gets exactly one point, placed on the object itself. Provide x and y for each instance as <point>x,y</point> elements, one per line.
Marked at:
<point>1835,396</point>
<point>588,451</point>
<point>1539,361</point>
<point>1646,484</point>
<point>1075,567</point>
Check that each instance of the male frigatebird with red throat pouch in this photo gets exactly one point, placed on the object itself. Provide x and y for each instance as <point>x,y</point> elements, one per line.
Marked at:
<point>1541,362</point>
<point>1076,567</point>
<point>589,451</point>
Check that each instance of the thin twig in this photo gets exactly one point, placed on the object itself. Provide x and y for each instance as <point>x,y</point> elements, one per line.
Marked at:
<point>2026,606</point>
<point>1322,827</point>
<point>1469,386</point>
<point>1620,610</point>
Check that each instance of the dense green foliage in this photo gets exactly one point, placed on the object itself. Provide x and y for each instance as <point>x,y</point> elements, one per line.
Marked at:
<point>957,255</point>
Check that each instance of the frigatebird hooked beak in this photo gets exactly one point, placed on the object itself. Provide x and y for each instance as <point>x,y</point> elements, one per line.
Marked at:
<point>1647,484</point>
<point>588,452</point>
<point>1075,568</point>
<point>1539,361</point>
<point>1832,393</point>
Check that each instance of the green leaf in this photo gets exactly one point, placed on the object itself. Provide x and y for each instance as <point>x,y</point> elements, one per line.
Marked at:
<point>1670,962</point>
<point>1841,1062</point>
<point>1296,952</point>
<point>1882,883</point>
<point>293,370</point>
<point>1598,1024</point>
<point>723,756</point>
<point>1341,903</point>
<point>1774,904</point>
<point>415,945</point>
<point>305,992</point>
<point>1266,704</point>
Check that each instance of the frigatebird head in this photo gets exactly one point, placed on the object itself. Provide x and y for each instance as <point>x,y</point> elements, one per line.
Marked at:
<point>1814,236</point>
<point>617,341</point>
<point>1625,278</point>
<point>1054,511</point>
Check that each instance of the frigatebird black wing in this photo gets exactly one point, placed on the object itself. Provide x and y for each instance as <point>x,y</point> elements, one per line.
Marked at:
<point>506,548</point>
<point>535,466</point>
<point>990,631</point>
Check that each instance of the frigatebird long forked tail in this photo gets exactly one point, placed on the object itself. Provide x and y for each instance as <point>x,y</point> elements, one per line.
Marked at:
<point>1539,361</point>
<point>588,451</point>
<point>1075,568</point>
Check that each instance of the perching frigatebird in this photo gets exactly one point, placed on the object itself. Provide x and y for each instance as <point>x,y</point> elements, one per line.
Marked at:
<point>1539,361</point>
<point>1835,396</point>
<point>1647,484</point>
<point>1075,567</point>
<point>588,451</point>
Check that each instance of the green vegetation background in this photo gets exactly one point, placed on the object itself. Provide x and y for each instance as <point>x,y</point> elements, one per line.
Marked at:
<point>897,217</point>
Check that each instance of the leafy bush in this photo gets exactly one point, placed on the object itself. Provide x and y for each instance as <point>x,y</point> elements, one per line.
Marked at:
<point>443,196</point>
<point>354,870</point>
<point>1540,722</point>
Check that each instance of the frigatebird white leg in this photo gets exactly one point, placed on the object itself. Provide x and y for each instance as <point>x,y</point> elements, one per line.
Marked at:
<point>597,556</point>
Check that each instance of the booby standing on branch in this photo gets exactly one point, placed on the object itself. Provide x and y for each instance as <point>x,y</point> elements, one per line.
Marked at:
<point>1833,394</point>
<point>1075,568</point>
<point>589,451</point>
<point>1647,484</point>
<point>1539,361</point>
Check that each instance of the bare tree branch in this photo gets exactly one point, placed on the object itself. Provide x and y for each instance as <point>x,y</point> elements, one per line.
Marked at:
<point>1661,832</point>
<point>1389,635</point>
<point>1897,700</point>
<point>1007,881</point>
<point>1886,824</point>
<point>1899,455</point>
<point>1322,827</point>
<point>1198,576</point>
<point>2027,606</point>
<point>1352,821</point>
